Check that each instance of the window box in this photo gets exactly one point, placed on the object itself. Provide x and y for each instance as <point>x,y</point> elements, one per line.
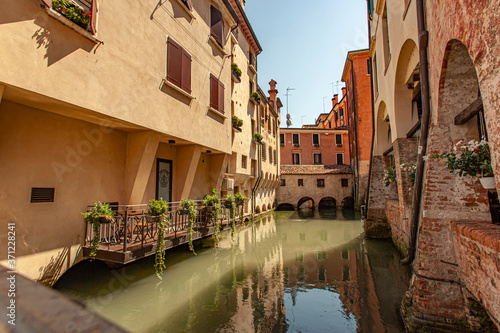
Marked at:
<point>66,14</point>
<point>235,77</point>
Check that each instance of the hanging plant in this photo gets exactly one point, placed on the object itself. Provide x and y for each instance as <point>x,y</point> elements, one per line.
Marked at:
<point>189,205</point>
<point>240,200</point>
<point>389,176</point>
<point>231,205</point>
<point>158,211</point>
<point>212,200</point>
<point>98,213</point>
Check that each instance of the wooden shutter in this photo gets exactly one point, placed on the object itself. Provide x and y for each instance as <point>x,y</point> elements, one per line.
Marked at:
<point>189,4</point>
<point>214,92</point>
<point>186,72</point>
<point>93,18</point>
<point>221,97</point>
<point>216,24</point>
<point>174,62</point>
<point>47,3</point>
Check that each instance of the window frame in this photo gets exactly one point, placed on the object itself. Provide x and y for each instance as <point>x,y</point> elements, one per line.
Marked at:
<point>182,79</point>
<point>298,139</point>
<point>320,182</point>
<point>320,158</point>
<point>214,33</point>
<point>294,155</point>
<point>300,182</point>
<point>282,142</point>
<point>341,139</point>
<point>217,85</point>
<point>317,136</point>
<point>344,182</point>
<point>342,156</point>
<point>282,182</point>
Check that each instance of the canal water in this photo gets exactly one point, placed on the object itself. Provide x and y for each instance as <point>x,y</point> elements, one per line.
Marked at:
<point>305,271</point>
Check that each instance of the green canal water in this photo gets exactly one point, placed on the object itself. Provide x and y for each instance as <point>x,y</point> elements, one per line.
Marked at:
<point>305,271</point>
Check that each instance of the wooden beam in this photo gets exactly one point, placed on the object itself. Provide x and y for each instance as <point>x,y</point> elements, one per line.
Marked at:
<point>469,112</point>
<point>388,151</point>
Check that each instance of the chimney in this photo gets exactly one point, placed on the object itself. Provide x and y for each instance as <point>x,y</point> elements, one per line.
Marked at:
<point>344,91</point>
<point>273,92</point>
<point>335,100</point>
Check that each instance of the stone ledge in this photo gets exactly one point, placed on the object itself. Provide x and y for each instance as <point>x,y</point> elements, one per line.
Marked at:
<point>484,233</point>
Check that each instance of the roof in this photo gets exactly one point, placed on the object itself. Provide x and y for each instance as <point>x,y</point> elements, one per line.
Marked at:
<point>350,56</point>
<point>247,27</point>
<point>315,169</point>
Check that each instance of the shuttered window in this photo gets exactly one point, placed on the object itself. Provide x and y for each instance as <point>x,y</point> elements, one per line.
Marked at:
<point>216,94</point>
<point>315,139</point>
<point>178,66</point>
<point>295,139</point>
<point>216,25</point>
<point>188,3</point>
<point>338,139</point>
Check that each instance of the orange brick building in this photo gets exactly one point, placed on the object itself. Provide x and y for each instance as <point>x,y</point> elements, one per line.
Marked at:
<point>359,115</point>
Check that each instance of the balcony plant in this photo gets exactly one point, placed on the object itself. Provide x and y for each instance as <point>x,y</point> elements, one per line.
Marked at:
<point>97,214</point>
<point>237,122</point>
<point>73,12</point>
<point>240,200</point>
<point>212,201</point>
<point>258,137</point>
<point>189,205</point>
<point>470,159</point>
<point>235,69</point>
<point>255,96</point>
<point>230,203</point>
<point>390,176</point>
<point>158,213</point>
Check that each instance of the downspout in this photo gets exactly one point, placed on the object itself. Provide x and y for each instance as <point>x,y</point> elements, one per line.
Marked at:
<point>423,38</point>
<point>367,199</point>
<point>259,165</point>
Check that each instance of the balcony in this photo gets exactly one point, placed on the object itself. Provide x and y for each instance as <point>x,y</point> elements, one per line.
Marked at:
<point>131,235</point>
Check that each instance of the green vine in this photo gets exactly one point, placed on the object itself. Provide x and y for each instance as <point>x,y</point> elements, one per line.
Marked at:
<point>232,212</point>
<point>212,200</point>
<point>193,213</point>
<point>93,216</point>
<point>240,201</point>
<point>158,208</point>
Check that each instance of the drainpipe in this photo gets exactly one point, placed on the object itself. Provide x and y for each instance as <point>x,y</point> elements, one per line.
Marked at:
<point>259,165</point>
<point>423,37</point>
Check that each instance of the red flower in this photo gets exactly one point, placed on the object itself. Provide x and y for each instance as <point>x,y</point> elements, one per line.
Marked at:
<point>63,10</point>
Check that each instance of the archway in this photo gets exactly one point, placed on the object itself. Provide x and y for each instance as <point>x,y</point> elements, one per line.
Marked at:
<point>257,210</point>
<point>264,208</point>
<point>383,130</point>
<point>269,206</point>
<point>348,203</point>
<point>285,207</point>
<point>305,202</point>
<point>407,106</point>
<point>327,203</point>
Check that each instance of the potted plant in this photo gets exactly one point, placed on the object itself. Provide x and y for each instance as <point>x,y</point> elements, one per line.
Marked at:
<point>237,122</point>
<point>470,159</point>
<point>212,203</point>
<point>258,137</point>
<point>97,214</point>
<point>411,169</point>
<point>73,12</point>
<point>189,206</point>
<point>158,213</point>
<point>316,145</point>
<point>390,176</point>
<point>255,97</point>
<point>236,71</point>
<point>240,201</point>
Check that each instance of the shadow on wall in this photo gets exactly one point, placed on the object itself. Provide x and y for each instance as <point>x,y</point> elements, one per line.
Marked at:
<point>56,266</point>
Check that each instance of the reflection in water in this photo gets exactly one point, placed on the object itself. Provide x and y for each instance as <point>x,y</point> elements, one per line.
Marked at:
<point>286,273</point>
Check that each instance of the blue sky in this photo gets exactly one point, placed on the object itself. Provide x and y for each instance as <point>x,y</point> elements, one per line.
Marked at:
<point>305,44</point>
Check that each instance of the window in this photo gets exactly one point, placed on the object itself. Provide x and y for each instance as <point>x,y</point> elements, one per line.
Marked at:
<point>320,182</point>
<point>250,86</point>
<point>336,116</point>
<point>301,182</point>
<point>270,155</point>
<point>340,159</point>
<point>338,139</point>
<point>252,59</point>
<point>375,78</point>
<point>370,9</point>
<point>282,182</point>
<point>385,37</point>
<point>329,124</point>
<point>243,161</point>
<point>296,158</point>
<point>317,158</point>
<point>84,7</point>
<point>341,112</point>
<point>316,139</point>
<point>282,140</point>
<point>216,25</point>
<point>295,139</point>
<point>368,66</point>
<point>344,182</point>
<point>188,3</point>
<point>275,157</point>
<point>216,94</point>
<point>178,66</point>
<point>264,151</point>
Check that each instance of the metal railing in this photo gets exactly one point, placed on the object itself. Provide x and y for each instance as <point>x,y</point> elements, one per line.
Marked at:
<point>131,226</point>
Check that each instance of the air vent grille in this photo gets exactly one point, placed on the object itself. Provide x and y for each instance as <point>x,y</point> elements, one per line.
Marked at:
<point>42,194</point>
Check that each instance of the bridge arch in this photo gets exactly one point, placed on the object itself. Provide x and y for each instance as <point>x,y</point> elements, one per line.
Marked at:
<point>304,200</point>
<point>285,206</point>
<point>348,202</point>
<point>327,203</point>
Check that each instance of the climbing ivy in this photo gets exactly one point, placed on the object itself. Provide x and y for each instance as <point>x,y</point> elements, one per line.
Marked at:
<point>158,209</point>
<point>192,213</point>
